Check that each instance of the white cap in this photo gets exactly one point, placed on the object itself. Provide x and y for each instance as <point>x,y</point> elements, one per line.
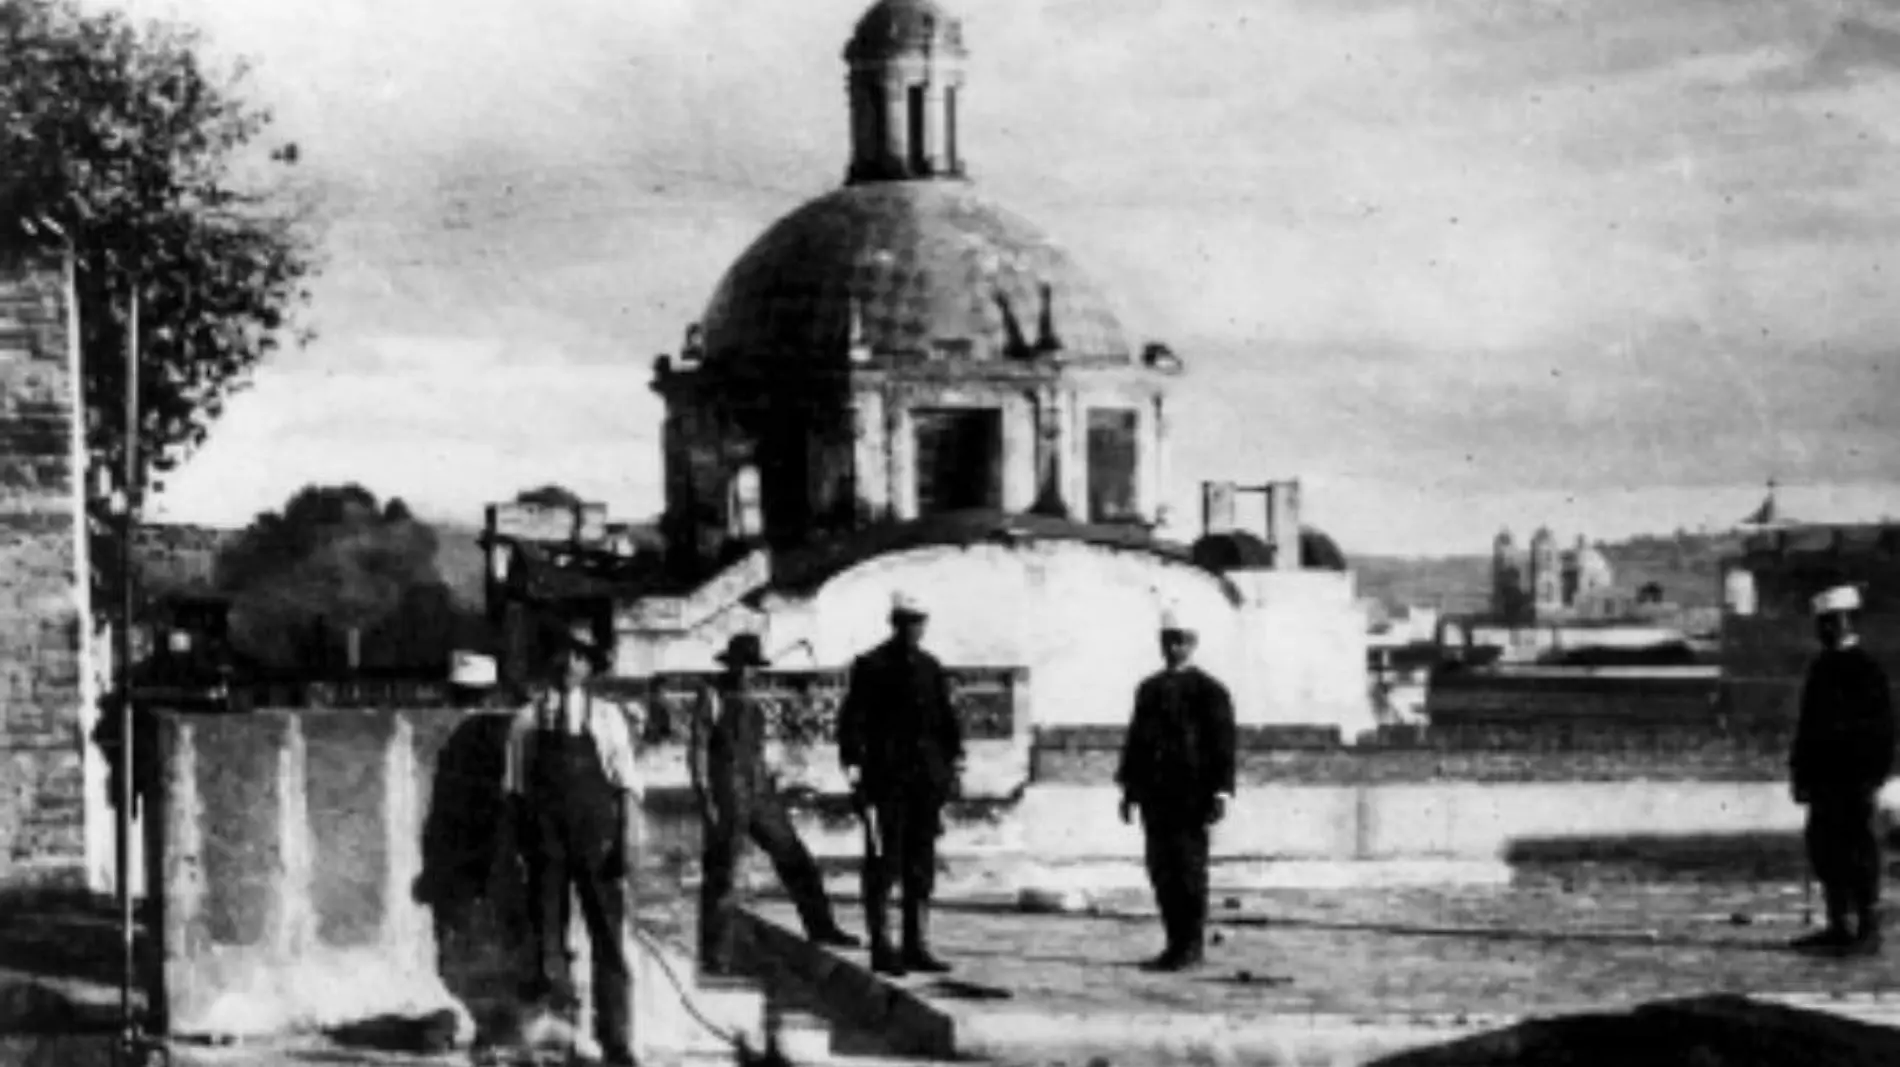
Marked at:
<point>472,671</point>
<point>903,603</point>
<point>1171,622</point>
<point>1839,598</point>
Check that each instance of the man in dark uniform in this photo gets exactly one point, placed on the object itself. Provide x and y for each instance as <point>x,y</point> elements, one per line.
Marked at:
<point>1177,767</point>
<point>901,745</point>
<point>573,783</point>
<point>1842,755</point>
<point>740,799</point>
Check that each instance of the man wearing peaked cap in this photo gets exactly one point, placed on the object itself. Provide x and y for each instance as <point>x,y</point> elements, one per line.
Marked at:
<point>1177,768</point>
<point>740,800</point>
<point>473,679</point>
<point>905,606</point>
<point>901,745</point>
<point>1842,755</point>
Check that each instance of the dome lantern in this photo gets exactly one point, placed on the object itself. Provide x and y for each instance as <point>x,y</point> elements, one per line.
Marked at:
<point>906,72</point>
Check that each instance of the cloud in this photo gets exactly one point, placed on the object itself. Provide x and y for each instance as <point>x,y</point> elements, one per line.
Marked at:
<point>1859,46</point>
<point>445,422</point>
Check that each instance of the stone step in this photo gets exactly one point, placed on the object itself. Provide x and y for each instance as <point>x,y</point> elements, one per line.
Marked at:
<point>804,1037</point>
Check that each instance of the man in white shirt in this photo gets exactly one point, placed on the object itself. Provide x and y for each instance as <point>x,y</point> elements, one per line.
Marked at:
<point>572,782</point>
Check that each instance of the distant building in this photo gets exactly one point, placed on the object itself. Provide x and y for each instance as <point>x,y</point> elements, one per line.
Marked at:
<point>902,386</point>
<point>1767,629</point>
<point>1542,583</point>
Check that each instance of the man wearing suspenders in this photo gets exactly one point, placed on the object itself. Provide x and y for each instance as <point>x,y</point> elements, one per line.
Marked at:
<point>740,800</point>
<point>572,783</point>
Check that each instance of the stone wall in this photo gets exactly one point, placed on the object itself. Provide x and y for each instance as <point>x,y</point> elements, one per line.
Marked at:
<point>42,824</point>
<point>1689,760</point>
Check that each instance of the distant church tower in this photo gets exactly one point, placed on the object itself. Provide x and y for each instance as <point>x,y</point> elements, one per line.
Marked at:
<point>1573,572</point>
<point>906,73</point>
<point>1507,578</point>
<point>1547,579</point>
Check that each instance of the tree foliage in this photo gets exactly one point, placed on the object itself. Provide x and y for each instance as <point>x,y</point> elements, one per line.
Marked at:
<point>335,559</point>
<point>550,496</point>
<point>122,140</point>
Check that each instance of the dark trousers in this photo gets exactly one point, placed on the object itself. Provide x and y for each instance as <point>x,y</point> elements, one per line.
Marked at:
<point>1177,852</point>
<point>573,830</point>
<point>756,813</point>
<point>903,851</point>
<point>1844,851</point>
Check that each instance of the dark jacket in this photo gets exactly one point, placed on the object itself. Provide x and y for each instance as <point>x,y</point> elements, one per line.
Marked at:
<point>726,746</point>
<point>1179,750</point>
<point>898,725</point>
<point>1844,740</point>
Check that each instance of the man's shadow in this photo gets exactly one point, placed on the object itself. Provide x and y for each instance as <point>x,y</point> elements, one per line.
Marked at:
<point>471,881</point>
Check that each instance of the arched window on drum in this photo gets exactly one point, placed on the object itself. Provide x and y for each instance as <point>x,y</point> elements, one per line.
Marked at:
<point>1738,592</point>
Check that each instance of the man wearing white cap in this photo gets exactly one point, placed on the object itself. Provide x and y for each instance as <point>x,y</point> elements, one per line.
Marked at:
<point>1177,767</point>
<point>1842,755</point>
<point>901,745</point>
<point>473,679</point>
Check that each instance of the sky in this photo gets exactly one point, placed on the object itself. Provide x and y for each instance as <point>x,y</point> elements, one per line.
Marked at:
<point>1605,265</point>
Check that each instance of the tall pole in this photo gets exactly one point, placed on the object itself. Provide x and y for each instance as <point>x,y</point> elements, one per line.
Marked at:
<point>128,746</point>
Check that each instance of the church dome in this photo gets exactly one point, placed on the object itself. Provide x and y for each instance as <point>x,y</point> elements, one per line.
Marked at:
<point>905,268</point>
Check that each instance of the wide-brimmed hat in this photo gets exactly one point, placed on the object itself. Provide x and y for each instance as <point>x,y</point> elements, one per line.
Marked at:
<point>744,650</point>
<point>581,637</point>
<point>1838,600</point>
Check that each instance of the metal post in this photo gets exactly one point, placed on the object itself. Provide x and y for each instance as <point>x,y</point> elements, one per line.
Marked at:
<point>128,750</point>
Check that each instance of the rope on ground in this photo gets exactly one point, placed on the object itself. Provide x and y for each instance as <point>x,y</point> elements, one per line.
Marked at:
<point>657,950</point>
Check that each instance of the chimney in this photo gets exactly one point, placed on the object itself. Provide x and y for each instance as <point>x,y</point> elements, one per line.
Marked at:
<point>1047,343</point>
<point>1283,524</point>
<point>1015,346</point>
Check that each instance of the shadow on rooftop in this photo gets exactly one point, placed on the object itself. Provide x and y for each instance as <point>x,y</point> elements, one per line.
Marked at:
<point>1710,1031</point>
<point>60,952</point>
<point>63,934</point>
<point>1397,929</point>
<point>1665,858</point>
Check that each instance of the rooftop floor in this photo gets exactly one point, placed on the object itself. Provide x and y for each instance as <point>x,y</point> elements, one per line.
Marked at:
<point>1456,962</point>
<point>1407,952</point>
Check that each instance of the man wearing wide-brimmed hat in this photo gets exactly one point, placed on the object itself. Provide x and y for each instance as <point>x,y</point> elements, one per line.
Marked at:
<point>1177,768</point>
<point>739,797</point>
<point>570,773</point>
<point>901,745</point>
<point>1842,755</point>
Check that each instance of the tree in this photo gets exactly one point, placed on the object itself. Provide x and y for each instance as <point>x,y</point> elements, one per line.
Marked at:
<point>550,496</point>
<point>332,560</point>
<point>120,140</point>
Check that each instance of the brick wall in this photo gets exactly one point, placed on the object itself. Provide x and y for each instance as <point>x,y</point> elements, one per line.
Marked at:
<point>41,822</point>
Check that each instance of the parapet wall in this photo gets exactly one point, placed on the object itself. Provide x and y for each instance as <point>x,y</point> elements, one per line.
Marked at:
<point>330,864</point>
<point>326,865</point>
